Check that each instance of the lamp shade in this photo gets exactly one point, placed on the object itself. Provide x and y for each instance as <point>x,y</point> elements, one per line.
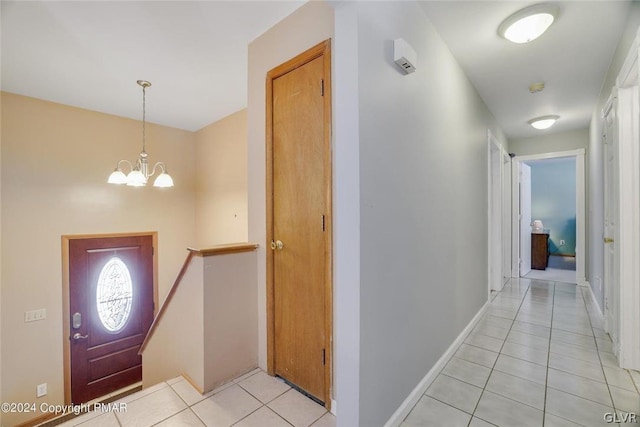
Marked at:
<point>163,180</point>
<point>544,122</point>
<point>136,179</point>
<point>529,23</point>
<point>117,177</point>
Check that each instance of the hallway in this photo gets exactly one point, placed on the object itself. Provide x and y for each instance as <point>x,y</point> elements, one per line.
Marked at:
<point>538,356</point>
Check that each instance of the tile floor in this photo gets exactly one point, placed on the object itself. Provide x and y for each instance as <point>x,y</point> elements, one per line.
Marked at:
<point>252,400</point>
<point>538,357</point>
<point>553,274</point>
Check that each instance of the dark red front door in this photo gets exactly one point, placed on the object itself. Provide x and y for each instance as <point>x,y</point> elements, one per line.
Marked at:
<point>111,310</point>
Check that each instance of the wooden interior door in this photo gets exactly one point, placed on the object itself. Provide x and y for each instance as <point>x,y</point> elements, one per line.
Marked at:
<point>110,312</point>
<point>299,219</point>
<point>611,195</point>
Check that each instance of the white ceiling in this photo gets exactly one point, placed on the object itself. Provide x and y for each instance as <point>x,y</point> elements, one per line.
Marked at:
<point>89,54</point>
<point>572,58</point>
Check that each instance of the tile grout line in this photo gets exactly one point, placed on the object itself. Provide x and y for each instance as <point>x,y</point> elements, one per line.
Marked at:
<point>606,381</point>
<point>583,377</point>
<point>500,351</point>
<point>546,378</point>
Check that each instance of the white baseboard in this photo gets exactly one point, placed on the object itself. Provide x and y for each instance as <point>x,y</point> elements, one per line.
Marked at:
<point>403,410</point>
<point>333,407</point>
<point>594,300</point>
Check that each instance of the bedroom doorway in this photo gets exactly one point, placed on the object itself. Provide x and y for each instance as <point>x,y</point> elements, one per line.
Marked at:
<point>557,246</point>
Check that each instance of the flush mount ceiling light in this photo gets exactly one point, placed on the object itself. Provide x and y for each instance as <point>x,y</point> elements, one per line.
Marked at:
<point>544,122</point>
<point>529,23</point>
<point>139,173</point>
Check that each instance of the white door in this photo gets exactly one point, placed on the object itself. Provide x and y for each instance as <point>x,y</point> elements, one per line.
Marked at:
<point>525,219</point>
<point>506,217</point>
<point>495,216</point>
<point>611,278</point>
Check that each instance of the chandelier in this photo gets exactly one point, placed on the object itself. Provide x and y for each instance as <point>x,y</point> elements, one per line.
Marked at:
<point>139,172</point>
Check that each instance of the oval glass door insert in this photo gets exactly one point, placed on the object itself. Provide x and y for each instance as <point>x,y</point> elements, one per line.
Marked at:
<point>114,295</point>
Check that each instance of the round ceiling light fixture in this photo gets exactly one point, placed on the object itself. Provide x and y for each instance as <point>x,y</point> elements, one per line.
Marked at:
<point>529,23</point>
<point>544,122</point>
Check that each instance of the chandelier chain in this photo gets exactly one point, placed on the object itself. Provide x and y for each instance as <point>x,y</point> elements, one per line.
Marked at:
<point>144,114</point>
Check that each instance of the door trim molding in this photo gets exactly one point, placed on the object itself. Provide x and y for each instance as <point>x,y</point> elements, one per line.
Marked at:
<point>66,330</point>
<point>628,87</point>
<point>319,50</point>
<point>493,145</point>
<point>579,154</point>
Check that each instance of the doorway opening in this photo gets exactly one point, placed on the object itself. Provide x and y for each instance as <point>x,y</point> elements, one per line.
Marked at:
<point>549,217</point>
<point>109,299</point>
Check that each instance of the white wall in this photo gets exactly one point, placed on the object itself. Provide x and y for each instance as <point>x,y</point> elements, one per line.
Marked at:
<point>346,204</point>
<point>595,154</point>
<point>423,205</point>
<point>550,142</point>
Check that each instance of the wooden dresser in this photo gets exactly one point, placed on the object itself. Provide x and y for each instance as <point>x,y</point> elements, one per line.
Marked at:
<point>539,250</point>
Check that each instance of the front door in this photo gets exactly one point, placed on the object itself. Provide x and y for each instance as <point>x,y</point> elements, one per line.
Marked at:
<point>111,310</point>
<point>299,220</point>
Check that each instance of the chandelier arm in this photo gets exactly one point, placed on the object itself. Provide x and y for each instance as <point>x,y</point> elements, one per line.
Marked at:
<point>162,167</point>
<point>125,161</point>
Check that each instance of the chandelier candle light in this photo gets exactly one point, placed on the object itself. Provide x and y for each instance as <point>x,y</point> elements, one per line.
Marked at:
<point>139,173</point>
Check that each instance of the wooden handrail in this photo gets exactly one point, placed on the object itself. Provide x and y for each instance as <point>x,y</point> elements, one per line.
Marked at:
<point>229,248</point>
<point>166,302</point>
<point>214,250</point>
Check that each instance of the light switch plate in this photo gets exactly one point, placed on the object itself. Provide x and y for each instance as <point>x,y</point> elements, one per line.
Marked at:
<point>34,315</point>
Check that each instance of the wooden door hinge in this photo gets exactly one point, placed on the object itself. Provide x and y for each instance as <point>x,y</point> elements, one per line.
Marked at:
<point>324,356</point>
<point>322,87</point>
<point>323,224</point>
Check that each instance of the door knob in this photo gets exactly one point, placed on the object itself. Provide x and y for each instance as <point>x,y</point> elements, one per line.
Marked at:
<point>277,245</point>
<point>608,240</point>
<point>77,336</point>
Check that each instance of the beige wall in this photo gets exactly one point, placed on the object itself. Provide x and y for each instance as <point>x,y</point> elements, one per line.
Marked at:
<point>1,256</point>
<point>550,143</point>
<point>230,317</point>
<point>221,182</point>
<point>55,162</point>
<point>306,27</point>
<point>177,344</point>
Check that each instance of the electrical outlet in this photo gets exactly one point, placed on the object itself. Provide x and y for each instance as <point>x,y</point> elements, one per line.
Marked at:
<point>562,242</point>
<point>41,390</point>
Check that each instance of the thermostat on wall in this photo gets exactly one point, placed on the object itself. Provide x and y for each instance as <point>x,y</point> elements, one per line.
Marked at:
<point>404,56</point>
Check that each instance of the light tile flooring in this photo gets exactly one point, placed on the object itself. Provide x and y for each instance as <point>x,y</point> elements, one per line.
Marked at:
<point>538,357</point>
<point>553,274</point>
<point>252,400</point>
